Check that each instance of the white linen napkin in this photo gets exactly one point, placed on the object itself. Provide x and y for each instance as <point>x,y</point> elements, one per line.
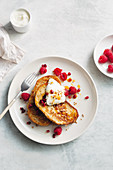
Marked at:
<point>10,54</point>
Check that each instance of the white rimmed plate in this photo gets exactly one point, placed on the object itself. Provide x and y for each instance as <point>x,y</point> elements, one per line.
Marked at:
<point>104,43</point>
<point>86,107</point>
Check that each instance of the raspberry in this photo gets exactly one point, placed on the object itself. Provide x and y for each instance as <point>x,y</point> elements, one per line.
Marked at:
<point>63,76</point>
<point>44,65</point>
<point>43,70</point>
<point>72,90</point>
<point>25,96</point>
<point>57,71</point>
<point>69,80</point>
<point>44,104</point>
<point>107,52</point>
<point>22,110</point>
<point>69,74</point>
<point>41,101</point>
<point>110,68</point>
<point>87,97</point>
<point>103,59</point>
<point>58,130</point>
<point>47,131</point>
<point>69,97</point>
<point>78,90</point>
<point>66,93</point>
<point>51,91</point>
<point>28,123</point>
<point>111,58</point>
<point>54,135</point>
<point>74,96</point>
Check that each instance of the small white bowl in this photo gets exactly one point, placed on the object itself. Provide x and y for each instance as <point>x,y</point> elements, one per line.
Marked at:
<point>104,43</point>
<point>22,28</point>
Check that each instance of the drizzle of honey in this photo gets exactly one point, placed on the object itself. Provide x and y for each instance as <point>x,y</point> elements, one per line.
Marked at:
<point>66,87</point>
<point>78,86</point>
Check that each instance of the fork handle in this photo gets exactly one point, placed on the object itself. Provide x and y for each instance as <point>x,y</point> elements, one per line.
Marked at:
<point>9,105</point>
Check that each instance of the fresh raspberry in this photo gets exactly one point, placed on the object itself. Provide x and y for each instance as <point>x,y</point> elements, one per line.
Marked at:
<point>107,52</point>
<point>58,130</point>
<point>111,58</point>
<point>74,96</point>
<point>51,91</point>
<point>25,96</point>
<point>54,135</point>
<point>57,71</point>
<point>103,59</point>
<point>69,80</point>
<point>87,97</point>
<point>78,90</point>
<point>46,93</point>
<point>22,110</point>
<point>69,97</point>
<point>66,93</point>
<point>43,70</point>
<point>44,65</point>
<point>28,123</point>
<point>63,76</point>
<point>44,104</point>
<point>69,74</point>
<point>110,68</point>
<point>72,90</point>
<point>41,101</point>
<point>47,131</point>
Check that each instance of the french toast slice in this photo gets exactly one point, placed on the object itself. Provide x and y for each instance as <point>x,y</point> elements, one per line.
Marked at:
<point>61,114</point>
<point>34,113</point>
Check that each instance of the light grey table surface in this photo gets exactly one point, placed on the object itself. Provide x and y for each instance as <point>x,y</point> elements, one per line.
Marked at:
<point>69,28</point>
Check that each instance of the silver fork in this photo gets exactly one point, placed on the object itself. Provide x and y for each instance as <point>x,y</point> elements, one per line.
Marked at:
<point>26,84</point>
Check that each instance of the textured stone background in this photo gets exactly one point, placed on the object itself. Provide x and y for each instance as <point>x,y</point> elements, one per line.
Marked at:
<point>68,28</point>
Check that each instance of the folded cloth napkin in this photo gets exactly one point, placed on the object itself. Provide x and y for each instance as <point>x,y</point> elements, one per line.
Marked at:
<point>10,54</point>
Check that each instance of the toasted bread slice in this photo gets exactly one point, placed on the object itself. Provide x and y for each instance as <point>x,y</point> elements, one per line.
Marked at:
<point>61,114</point>
<point>33,112</point>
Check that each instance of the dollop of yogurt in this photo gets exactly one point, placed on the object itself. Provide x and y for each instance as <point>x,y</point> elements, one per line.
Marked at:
<point>20,17</point>
<point>54,92</point>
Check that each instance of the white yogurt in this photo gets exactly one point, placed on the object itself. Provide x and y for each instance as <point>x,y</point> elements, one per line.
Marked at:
<point>57,96</point>
<point>20,19</point>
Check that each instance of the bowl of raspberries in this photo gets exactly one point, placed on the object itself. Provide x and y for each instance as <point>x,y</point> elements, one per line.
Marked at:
<point>103,56</point>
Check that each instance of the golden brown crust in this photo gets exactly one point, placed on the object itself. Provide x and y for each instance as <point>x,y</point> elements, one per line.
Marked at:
<point>33,112</point>
<point>62,114</point>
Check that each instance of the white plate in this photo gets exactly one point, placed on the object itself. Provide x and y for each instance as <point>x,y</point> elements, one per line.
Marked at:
<point>105,43</point>
<point>86,107</point>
